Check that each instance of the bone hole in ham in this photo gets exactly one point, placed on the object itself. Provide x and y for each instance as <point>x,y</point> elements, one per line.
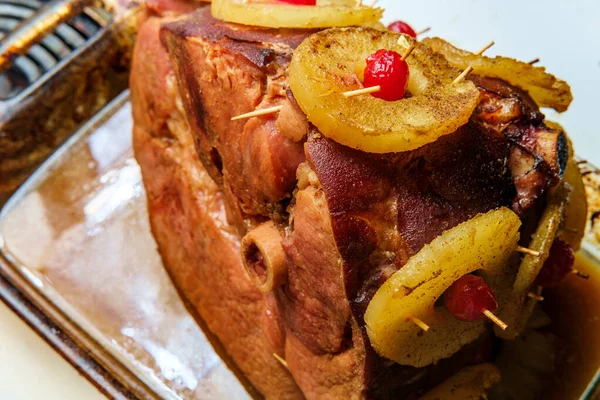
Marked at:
<point>256,262</point>
<point>264,257</point>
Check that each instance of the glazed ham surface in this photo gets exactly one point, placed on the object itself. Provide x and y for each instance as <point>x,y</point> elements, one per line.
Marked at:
<point>200,249</point>
<point>347,219</point>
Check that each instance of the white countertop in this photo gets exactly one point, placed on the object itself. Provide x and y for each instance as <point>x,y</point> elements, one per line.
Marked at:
<point>564,35</point>
<point>30,369</point>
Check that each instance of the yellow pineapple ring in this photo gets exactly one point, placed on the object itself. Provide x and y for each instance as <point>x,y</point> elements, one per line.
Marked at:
<point>486,243</point>
<point>273,14</point>
<point>545,89</point>
<point>573,228</point>
<point>519,307</point>
<point>325,65</point>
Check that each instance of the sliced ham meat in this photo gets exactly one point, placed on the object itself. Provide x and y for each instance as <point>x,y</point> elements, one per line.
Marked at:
<point>538,154</point>
<point>348,219</point>
<point>224,71</point>
<point>199,248</point>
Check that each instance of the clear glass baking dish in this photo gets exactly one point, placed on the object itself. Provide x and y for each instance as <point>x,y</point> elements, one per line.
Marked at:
<point>76,241</point>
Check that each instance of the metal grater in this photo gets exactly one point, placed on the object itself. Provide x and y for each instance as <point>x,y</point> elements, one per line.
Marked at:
<point>61,61</point>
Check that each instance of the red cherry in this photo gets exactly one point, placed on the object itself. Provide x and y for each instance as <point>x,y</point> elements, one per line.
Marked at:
<point>300,2</point>
<point>558,265</point>
<point>468,297</point>
<point>402,27</point>
<point>387,69</point>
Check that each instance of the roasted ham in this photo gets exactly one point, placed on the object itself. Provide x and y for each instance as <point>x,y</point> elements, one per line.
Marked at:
<point>346,219</point>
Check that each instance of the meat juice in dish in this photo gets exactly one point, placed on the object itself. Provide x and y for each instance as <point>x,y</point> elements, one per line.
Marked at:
<point>573,309</point>
<point>323,231</point>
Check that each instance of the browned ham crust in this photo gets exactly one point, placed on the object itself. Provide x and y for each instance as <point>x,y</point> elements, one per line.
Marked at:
<point>199,247</point>
<point>348,219</point>
<point>224,71</point>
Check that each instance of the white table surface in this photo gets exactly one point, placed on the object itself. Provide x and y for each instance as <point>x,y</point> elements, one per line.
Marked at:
<point>30,369</point>
<point>564,35</point>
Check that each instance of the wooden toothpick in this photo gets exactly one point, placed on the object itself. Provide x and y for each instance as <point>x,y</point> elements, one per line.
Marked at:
<point>422,31</point>
<point>408,51</point>
<point>463,75</point>
<point>535,296</point>
<point>534,61</point>
<point>281,360</point>
<point>469,69</point>
<point>525,250</point>
<point>358,92</point>
<point>419,323</point>
<point>495,319</point>
<point>259,112</point>
<point>485,48</point>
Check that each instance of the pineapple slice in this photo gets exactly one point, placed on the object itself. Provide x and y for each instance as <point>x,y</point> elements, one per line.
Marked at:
<point>273,14</point>
<point>545,89</point>
<point>326,64</point>
<point>573,227</point>
<point>519,307</point>
<point>485,242</point>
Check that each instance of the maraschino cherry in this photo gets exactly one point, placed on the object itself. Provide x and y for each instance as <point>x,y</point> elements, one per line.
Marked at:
<point>387,69</point>
<point>402,27</point>
<point>558,265</point>
<point>300,2</point>
<point>469,297</point>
